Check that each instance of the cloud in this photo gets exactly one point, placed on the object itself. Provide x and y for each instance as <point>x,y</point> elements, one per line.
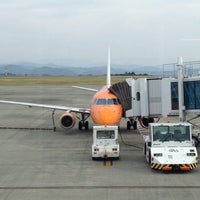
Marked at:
<point>138,31</point>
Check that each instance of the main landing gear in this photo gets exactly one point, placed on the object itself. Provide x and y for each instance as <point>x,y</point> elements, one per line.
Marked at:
<point>83,123</point>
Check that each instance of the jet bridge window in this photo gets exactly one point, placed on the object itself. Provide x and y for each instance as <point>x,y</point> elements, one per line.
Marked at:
<point>105,134</point>
<point>191,95</point>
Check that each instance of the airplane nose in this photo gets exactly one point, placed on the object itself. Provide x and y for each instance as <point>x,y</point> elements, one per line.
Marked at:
<point>109,116</point>
<point>106,115</point>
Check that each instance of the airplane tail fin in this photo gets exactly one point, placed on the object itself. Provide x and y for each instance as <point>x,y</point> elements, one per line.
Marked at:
<point>108,70</point>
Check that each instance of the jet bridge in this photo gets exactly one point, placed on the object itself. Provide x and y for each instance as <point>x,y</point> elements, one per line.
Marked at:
<point>160,97</point>
<point>151,97</point>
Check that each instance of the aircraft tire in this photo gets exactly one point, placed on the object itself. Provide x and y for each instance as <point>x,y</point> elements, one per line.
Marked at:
<point>80,125</point>
<point>86,125</point>
<point>135,125</point>
<point>128,126</point>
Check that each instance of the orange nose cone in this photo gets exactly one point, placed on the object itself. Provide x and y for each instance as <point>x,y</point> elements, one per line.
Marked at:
<point>107,115</point>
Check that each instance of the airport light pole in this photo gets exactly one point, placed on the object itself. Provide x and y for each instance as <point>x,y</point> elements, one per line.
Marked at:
<point>180,89</point>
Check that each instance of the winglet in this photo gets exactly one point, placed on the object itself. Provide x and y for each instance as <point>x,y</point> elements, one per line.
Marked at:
<point>108,70</point>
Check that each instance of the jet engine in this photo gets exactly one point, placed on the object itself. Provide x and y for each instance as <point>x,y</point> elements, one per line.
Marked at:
<point>67,120</point>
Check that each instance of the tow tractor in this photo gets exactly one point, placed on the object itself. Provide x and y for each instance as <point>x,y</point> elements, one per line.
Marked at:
<point>105,142</point>
<point>169,146</point>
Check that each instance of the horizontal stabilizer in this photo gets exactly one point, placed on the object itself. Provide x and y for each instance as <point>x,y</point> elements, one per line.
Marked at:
<point>84,88</point>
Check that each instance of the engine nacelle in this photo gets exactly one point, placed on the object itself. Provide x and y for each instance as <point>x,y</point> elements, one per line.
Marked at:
<point>67,120</point>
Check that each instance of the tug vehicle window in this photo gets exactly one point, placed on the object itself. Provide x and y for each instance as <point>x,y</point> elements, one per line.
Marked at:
<point>105,134</point>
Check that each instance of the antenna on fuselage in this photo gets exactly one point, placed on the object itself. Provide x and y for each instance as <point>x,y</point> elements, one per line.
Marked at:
<point>108,70</point>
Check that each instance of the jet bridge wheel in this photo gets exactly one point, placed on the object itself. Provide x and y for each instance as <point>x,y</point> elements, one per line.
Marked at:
<point>144,121</point>
<point>128,125</point>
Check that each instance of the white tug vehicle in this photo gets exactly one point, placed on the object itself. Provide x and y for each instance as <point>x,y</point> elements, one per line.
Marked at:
<point>105,142</point>
<point>169,146</point>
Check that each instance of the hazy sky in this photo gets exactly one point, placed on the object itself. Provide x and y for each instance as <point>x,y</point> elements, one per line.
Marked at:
<point>145,32</point>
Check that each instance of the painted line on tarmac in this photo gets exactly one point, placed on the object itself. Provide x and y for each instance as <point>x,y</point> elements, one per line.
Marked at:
<point>97,187</point>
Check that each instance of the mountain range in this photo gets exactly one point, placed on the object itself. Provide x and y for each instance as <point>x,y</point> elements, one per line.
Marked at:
<point>58,70</point>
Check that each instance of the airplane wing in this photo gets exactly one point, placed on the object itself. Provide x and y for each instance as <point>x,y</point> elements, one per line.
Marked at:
<point>53,107</point>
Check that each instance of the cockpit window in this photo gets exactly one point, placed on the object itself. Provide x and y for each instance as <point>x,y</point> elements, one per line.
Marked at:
<point>102,101</point>
<point>112,101</point>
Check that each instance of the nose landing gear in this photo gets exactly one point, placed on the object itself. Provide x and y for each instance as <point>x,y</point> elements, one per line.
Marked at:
<point>83,123</point>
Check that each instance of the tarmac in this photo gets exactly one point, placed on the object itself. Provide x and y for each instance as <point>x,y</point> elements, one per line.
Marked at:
<point>38,163</point>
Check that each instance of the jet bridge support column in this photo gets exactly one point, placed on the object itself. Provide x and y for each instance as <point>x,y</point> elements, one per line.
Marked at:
<point>180,89</point>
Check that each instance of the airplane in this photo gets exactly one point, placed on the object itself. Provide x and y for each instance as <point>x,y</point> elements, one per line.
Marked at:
<point>105,108</point>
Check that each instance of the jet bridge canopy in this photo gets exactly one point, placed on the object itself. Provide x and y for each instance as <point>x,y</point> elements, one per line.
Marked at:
<point>123,91</point>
